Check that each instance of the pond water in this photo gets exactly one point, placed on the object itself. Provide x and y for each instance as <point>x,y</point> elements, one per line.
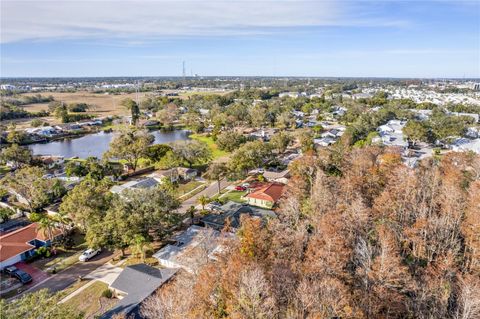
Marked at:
<point>96,144</point>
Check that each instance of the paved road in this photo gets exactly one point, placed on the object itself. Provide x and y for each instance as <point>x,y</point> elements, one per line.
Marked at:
<point>210,191</point>
<point>70,275</point>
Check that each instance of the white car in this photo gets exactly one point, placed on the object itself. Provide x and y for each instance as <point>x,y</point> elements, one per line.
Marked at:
<point>246,185</point>
<point>88,254</point>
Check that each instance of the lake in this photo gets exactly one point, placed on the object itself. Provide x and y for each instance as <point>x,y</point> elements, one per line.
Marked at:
<point>96,144</point>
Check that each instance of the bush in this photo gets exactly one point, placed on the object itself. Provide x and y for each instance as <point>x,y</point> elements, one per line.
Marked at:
<point>36,123</point>
<point>107,293</point>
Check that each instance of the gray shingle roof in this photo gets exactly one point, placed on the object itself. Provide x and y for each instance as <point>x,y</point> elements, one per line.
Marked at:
<point>138,282</point>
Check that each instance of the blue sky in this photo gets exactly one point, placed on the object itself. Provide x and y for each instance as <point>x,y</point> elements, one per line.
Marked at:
<point>227,37</point>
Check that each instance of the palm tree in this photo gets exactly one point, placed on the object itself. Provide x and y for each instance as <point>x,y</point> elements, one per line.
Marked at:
<point>203,200</point>
<point>47,225</point>
<point>63,220</point>
<point>140,245</point>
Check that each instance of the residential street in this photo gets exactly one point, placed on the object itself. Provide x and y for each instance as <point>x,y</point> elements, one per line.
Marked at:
<point>67,277</point>
<point>211,190</point>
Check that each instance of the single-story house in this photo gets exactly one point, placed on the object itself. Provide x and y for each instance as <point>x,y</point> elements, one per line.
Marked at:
<point>135,184</point>
<point>231,215</point>
<point>134,284</point>
<point>52,161</point>
<point>190,249</point>
<point>324,141</point>
<point>21,243</point>
<point>160,175</point>
<point>277,176</point>
<point>187,174</point>
<point>266,196</point>
<point>465,144</point>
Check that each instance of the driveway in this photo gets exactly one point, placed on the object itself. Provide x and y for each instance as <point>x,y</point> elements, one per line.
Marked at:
<point>210,191</point>
<point>70,275</point>
<point>106,273</point>
<point>37,274</point>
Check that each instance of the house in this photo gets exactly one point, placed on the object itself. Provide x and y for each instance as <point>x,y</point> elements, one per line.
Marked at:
<point>134,284</point>
<point>392,133</point>
<point>21,243</point>
<point>187,174</point>
<point>52,161</point>
<point>170,174</point>
<point>190,249</point>
<point>135,184</point>
<point>277,176</point>
<point>324,141</point>
<point>266,196</point>
<point>465,144</point>
<point>231,213</point>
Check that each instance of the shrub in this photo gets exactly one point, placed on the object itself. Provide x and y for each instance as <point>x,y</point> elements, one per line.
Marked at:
<point>36,123</point>
<point>107,293</point>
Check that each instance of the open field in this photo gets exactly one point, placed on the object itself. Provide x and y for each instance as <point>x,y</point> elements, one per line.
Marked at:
<point>105,104</point>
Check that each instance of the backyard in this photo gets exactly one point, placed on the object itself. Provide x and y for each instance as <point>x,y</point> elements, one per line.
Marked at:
<point>216,152</point>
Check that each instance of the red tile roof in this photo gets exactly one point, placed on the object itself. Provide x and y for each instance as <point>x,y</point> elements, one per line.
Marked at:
<point>17,241</point>
<point>270,192</point>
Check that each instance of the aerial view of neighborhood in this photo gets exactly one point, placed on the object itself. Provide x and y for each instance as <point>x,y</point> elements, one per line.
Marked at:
<point>151,170</point>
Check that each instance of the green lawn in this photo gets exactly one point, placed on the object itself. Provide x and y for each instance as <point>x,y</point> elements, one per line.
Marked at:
<point>90,300</point>
<point>234,196</point>
<point>188,187</point>
<point>216,153</point>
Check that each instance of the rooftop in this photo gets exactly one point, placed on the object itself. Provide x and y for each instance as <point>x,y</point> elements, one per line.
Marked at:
<point>138,282</point>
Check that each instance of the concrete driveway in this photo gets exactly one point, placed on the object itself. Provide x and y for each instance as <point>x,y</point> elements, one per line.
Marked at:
<point>106,273</point>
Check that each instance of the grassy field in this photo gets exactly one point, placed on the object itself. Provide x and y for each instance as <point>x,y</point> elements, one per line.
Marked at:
<point>91,302</point>
<point>216,153</point>
<point>188,187</point>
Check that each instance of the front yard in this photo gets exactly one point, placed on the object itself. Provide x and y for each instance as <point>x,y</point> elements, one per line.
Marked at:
<point>64,257</point>
<point>235,196</point>
<point>188,187</point>
<point>91,302</point>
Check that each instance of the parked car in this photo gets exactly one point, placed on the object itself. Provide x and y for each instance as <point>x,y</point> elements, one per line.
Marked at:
<point>246,185</point>
<point>10,270</point>
<point>22,276</point>
<point>89,254</point>
<point>240,188</point>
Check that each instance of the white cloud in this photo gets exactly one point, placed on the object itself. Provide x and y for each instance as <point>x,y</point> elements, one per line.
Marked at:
<point>144,19</point>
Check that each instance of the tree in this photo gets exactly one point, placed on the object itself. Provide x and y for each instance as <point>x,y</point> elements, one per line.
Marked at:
<point>156,152</point>
<point>146,212</point>
<point>132,106</point>
<point>87,202</point>
<point>249,156</point>
<point>140,245</point>
<point>203,200</point>
<point>61,112</point>
<point>39,304</point>
<point>168,115</point>
<point>130,145</point>
<point>192,152</point>
<point>230,140</point>
<point>45,224</point>
<point>17,155</point>
<point>416,131</point>
<point>30,187</point>
<point>217,171</point>
<point>280,141</point>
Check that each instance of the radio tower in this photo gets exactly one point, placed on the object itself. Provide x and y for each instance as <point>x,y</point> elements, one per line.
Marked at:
<point>184,73</point>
